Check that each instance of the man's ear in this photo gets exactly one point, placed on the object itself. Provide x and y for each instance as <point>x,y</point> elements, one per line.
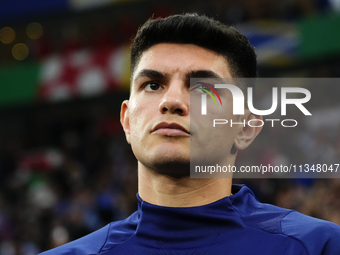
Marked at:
<point>248,133</point>
<point>125,119</point>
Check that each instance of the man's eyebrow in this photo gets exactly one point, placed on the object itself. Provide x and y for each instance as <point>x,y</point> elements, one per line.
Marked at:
<point>149,73</point>
<point>153,74</point>
<point>202,74</point>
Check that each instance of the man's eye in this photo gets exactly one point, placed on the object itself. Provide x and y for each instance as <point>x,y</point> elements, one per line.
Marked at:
<point>152,86</point>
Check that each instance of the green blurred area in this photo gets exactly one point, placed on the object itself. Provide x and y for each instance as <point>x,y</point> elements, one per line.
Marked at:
<point>320,37</point>
<point>18,84</point>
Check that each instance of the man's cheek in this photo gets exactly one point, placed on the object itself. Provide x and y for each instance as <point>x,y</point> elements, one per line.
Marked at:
<point>137,132</point>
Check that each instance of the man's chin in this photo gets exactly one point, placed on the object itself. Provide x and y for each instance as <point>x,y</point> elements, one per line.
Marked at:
<point>173,168</point>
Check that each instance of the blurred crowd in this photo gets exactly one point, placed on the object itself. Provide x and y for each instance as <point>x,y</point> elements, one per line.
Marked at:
<point>78,175</point>
<point>67,170</point>
<point>115,24</point>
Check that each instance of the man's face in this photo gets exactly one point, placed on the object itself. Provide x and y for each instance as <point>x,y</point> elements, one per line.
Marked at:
<point>156,119</point>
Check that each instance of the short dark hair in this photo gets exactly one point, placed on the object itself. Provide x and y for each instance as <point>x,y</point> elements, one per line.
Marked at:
<point>201,31</point>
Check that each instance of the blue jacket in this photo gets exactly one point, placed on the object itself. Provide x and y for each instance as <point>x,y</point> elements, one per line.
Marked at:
<point>238,225</point>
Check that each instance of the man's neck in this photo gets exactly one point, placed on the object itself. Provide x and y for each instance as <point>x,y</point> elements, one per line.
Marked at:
<point>164,190</point>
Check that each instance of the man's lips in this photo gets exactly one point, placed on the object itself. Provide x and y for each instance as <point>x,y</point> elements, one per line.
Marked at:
<point>170,129</point>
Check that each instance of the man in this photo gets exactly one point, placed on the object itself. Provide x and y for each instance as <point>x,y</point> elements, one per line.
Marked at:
<point>178,214</point>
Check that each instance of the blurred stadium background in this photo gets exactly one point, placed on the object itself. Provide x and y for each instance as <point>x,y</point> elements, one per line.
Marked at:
<point>65,168</point>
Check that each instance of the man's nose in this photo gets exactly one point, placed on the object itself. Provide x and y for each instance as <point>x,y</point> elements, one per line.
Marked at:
<point>175,100</point>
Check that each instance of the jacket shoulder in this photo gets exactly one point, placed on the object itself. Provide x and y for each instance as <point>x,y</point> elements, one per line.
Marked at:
<point>318,236</point>
<point>91,243</point>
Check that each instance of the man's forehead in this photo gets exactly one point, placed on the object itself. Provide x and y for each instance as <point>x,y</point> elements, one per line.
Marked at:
<point>169,58</point>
